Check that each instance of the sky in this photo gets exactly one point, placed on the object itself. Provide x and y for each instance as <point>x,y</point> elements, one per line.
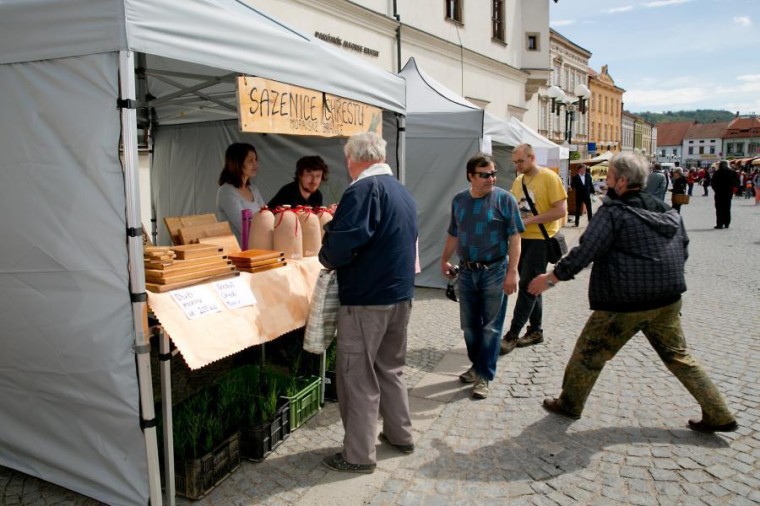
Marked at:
<point>671,55</point>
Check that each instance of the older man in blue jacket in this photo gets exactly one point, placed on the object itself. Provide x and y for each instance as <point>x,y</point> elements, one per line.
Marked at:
<point>371,241</point>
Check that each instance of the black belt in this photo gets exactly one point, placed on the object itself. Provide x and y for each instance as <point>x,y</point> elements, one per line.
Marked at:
<point>476,266</point>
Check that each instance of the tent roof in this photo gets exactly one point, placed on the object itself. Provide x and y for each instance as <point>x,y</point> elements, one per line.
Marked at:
<point>538,141</point>
<point>604,157</point>
<point>435,111</point>
<point>501,130</point>
<point>219,34</point>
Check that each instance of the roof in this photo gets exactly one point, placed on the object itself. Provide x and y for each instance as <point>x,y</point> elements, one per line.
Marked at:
<point>743,128</point>
<point>673,133</point>
<point>715,130</point>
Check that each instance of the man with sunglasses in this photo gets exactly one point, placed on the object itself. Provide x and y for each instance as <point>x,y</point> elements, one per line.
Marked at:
<point>484,231</point>
<point>546,194</point>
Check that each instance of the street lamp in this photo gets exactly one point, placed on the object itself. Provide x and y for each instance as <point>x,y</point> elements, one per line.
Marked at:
<point>560,99</point>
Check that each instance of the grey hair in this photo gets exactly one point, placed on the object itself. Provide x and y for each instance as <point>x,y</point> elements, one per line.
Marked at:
<point>365,147</point>
<point>633,167</point>
<point>678,170</point>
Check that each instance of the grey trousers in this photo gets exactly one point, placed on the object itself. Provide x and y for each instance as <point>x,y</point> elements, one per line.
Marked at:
<point>370,363</point>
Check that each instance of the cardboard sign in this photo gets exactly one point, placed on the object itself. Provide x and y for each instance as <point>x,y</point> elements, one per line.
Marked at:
<point>234,293</point>
<point>195,301</point>
<point>268,106</point>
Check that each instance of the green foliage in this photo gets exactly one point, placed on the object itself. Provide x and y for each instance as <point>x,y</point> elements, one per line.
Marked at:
<point>331,357</point>
<point>575,155</point>
<point>700,116</point>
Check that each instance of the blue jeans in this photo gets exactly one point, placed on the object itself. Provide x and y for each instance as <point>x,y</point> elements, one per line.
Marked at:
<point>482,306</point>
<point>529,308</point>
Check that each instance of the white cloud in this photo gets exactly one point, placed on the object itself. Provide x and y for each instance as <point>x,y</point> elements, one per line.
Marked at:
<point>743,21</point>
<point>665,3</point>
<point>749,77</point>
<point>563,22</point>
<point>649,99</point>
<point>616,10</point>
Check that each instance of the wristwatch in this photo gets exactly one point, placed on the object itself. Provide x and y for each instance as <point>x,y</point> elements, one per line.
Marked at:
<point>549,281</point>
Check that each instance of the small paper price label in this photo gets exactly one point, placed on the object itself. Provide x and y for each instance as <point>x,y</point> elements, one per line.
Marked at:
<point>235,293</point>
<point>196,301</point>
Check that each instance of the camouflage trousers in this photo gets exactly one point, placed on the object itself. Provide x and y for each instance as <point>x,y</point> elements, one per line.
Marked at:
<point>606,333</point>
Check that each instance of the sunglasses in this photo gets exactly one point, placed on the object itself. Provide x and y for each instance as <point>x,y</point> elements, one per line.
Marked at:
<point>486,175</point>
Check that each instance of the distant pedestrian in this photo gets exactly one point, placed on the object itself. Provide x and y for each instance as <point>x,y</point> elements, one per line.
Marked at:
<point>371,242</point>
<point>723,183</point>
<point>657,182</point>
<point>679,187</point>
<point>706,181</point>
<point>638,247</point>
<point>484,230</point>
<point>583,187</point>
<point>756,184</point>
<point>691,178</point>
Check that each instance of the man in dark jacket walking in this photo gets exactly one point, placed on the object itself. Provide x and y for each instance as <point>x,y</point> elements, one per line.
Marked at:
<point>639,247</point>
<point>723,183</point>
<point>583,186</point>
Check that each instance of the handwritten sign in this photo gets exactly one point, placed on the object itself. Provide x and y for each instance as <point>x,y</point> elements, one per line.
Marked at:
<point>268,106</point>
<point>196,301</point>
<point>234,293</point>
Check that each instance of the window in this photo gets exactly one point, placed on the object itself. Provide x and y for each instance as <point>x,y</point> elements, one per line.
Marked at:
<point>662,154</point>
<point>712,150</point>
<point>701,150</point>
<point>498,20</point>
<point>532,44</point>
<point>454,10</point>
<point>691,150</point>
<point>675,152</point>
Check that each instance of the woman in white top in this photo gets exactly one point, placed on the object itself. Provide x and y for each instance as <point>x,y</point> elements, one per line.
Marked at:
<point>236,191</point>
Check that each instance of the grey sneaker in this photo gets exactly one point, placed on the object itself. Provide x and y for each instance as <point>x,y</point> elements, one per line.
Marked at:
<point>480,390</point>
<point>530,338</point>
<point>338,463</point>
<point>469,376</point>
<point>507,344</point>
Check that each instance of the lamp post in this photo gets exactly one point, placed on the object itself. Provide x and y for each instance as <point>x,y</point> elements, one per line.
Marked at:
<point>560,100</point>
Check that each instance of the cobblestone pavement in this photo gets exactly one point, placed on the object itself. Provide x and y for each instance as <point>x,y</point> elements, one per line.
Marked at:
<point>632,445</point>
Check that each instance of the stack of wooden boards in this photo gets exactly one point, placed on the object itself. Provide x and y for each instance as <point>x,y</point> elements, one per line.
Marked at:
<point>202,229</point>
<point>170,267</point>
<point>257,260</point>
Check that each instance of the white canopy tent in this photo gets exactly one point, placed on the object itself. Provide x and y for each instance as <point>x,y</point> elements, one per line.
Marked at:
<point>443,131</point>
<point>71,313</point>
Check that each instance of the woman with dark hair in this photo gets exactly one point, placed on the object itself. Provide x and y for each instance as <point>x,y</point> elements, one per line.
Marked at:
<point>236,191</point>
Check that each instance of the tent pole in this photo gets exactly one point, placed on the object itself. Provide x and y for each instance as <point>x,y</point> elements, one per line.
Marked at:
<point>165,357</point>
<point>402,149</point>
<point>136,271</point>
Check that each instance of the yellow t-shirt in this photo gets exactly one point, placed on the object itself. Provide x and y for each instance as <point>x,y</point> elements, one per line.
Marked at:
<point>545,188</point>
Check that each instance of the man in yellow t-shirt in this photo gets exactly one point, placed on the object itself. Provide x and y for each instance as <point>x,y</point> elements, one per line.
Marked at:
<point>550,200</point>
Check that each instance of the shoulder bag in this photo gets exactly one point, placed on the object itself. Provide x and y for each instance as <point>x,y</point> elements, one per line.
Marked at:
<point>556,246</point>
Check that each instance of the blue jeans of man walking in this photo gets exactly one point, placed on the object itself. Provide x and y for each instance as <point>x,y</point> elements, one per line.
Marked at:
<point>482,307</point>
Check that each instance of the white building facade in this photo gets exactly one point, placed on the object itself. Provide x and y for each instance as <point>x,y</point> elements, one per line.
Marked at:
<point>569,63</point>
<point>628,120</point>
<point>495,54</point>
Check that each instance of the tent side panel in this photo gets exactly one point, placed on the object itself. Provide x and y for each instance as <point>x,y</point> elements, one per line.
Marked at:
<point>68,385</point>
<point>435,173</point>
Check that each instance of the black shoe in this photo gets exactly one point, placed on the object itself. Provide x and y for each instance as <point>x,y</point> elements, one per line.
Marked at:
<point>554,406</point>
<point>405,449</point>
<point>702,426</point>
<point>338,463</point>
<point>508,343</point>
<point>530,338</point>
<point>718,226</point>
